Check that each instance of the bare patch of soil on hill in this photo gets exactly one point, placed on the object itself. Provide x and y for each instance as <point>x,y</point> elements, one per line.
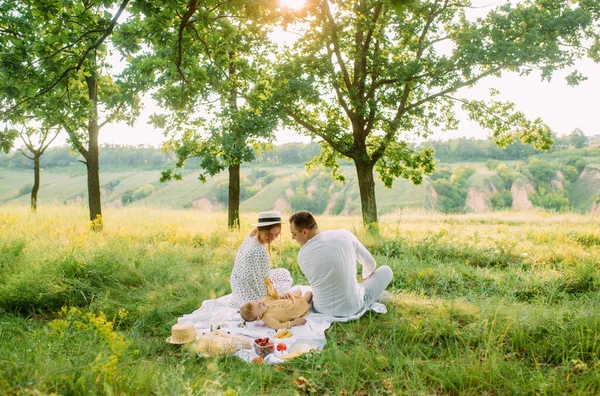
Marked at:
<point>520,194</point>
<point>282,206</point>
<point>203,205</point>
<point>479,201</point>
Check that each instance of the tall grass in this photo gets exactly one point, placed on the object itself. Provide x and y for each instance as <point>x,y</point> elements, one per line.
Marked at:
<point>495,304</point>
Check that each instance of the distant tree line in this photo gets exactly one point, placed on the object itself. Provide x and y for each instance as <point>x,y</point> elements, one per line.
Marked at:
<point>124,158</point>
<point>477,150</point>
<point>289,154</point>
<point>112,158</point>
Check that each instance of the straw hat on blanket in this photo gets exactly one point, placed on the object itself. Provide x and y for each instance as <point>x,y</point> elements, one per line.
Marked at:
<point>182,333</point>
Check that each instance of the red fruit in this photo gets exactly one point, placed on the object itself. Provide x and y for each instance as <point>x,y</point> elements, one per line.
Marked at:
<point>258,360</point>
<point>281,347</point>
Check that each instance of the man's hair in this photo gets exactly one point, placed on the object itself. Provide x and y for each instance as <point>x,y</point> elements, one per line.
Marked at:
<point>247,313</point>
<point>303,219</point>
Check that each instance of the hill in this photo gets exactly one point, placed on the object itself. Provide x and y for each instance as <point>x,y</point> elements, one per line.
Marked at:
<point>564,180</point>
<point>289,187</point>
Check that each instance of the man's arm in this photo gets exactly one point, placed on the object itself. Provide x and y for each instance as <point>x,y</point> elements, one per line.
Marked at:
<point>365,258</point>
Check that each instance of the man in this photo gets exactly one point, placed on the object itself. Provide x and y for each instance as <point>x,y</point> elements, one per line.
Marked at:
<point>328,260</point>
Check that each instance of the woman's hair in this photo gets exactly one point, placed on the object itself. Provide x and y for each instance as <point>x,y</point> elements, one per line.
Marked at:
<point>247,312</point>
<point>266,228</point>
<point>303,219</point>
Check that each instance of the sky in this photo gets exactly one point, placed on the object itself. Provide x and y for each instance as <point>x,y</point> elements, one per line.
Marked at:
<point>562,107</point>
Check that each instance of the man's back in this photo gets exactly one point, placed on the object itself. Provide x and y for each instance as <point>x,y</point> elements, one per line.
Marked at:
<point>329,262</point>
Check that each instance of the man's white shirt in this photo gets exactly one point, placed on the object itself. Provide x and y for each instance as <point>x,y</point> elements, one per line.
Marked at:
<point>328,260</point>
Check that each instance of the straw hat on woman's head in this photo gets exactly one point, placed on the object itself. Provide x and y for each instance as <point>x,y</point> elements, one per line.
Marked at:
<point>268,218</point>
<point>182,333</point>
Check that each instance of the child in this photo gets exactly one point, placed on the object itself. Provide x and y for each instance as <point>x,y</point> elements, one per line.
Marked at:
<point>278,313</point>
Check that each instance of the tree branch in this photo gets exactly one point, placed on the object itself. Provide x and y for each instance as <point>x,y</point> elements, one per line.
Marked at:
<point>10,31</point>
<point>336,87</point>
<point>322,135</point>
<point>27,156</point>
<point>26,140</point>
<point>185,20</point>
<point>387,138</point>
<point>44,148</point>
<point>360,76</point>
<point>455,87</point>
<point>208,51</point>
<point>80,39</point>
<point>76,142</point>
<point>336,47</point>
<point>77,67</point>
<point>485,108</point>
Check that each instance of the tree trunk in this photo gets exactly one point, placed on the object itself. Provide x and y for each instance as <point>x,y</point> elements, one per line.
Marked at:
<point>92,161</point>
<point>233,202</point>
<point>36,181</point>
<point>366,185</point>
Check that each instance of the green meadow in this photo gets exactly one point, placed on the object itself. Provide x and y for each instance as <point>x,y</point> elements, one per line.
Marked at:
<point>499,303</point>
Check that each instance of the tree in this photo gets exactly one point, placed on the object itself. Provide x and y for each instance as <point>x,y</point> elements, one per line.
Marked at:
<point>221,56</point>
<point>54,66</point>
<point>36,141</point>
<point>578,139</point>
<point>366,75</point>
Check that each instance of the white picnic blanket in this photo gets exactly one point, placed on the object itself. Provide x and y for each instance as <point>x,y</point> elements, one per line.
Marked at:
<point>217,314</point>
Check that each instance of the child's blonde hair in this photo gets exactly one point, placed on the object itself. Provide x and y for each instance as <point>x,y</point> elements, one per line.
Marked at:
<point>247,312</point>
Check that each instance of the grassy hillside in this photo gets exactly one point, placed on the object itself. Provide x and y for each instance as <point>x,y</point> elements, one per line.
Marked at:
<point>502,303</point>
<point>586,190</point>
<point>291,187</point>
<point>60,188</point>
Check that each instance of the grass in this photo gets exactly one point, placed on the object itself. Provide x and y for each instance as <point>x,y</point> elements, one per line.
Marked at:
<point>500,303</point>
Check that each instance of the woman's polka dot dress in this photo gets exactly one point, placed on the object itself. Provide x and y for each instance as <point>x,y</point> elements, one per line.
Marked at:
<point>252,266</point>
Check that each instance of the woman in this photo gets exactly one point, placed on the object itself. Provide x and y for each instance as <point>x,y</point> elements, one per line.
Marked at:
<point>253,263</point>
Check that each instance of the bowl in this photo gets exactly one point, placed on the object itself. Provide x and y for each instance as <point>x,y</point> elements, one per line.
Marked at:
<point>263,346</point>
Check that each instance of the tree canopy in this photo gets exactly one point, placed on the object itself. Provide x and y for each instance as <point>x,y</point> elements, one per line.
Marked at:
<point>55,68</point>
<point>214,84</point>
<point>366,76</point>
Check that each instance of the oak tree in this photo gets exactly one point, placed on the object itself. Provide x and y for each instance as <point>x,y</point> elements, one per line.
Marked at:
<point>55,64</point>
<point>367,76</point>
<point>212,81</point>
<point>36,141</point>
